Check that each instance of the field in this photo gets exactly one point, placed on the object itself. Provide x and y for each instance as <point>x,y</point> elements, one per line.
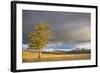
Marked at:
<point>29,56</point>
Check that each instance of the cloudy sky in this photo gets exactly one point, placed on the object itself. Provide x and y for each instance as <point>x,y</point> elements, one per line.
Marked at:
<point>67,26</point>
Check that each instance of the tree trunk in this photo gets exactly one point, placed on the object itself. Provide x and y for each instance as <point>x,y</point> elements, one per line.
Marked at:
<point>39,54</point>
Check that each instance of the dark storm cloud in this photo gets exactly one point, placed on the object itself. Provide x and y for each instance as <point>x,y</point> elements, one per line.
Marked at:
<point>67,26</point>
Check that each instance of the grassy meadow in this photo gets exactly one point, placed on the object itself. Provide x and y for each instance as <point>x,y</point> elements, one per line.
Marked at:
<point>29,56</point>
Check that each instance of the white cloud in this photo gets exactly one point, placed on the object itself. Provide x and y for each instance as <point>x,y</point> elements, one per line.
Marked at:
<point>62,47</point>
<point>24,46</point>
<point>84,45</point>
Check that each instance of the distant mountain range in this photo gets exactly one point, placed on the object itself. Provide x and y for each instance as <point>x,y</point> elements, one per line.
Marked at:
<point>61,47</point>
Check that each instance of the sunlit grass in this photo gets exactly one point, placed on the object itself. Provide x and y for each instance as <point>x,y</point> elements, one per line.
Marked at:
<point>29,56</point>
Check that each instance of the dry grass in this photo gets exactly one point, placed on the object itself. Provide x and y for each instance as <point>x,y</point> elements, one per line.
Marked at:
<point>33,57</point>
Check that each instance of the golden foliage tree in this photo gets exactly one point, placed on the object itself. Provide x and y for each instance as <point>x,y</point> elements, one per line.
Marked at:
<point>39,37</point>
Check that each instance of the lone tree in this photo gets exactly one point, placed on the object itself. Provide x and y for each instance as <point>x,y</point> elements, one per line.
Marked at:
<point>39,37</point>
